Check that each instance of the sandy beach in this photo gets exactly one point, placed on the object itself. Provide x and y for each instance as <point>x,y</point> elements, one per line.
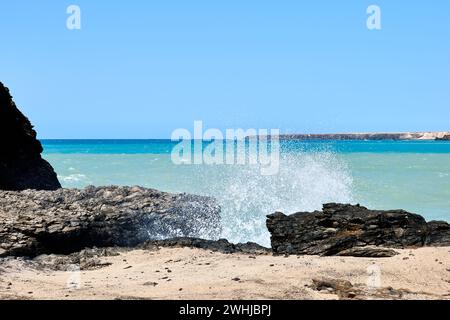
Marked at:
<point>185,273</point>
<point>176,153</point>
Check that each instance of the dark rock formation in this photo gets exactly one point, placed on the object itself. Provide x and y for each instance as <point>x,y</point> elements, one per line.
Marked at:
<point>221,245</point>
<point>342,227</point>
<point>66,221</point>
<point>21,165</point>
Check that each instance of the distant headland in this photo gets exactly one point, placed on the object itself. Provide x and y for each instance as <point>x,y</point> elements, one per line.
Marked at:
<point>370,136</point>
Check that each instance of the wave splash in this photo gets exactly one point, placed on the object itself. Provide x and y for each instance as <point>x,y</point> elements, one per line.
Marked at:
<point>305,182</point>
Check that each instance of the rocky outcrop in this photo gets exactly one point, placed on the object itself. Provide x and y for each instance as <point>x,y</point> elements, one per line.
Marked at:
<point>21,164</point>
<point>69,220</point>
<point>343,229</point>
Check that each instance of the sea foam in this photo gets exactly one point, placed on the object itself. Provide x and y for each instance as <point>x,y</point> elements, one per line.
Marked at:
<point>305,182</point>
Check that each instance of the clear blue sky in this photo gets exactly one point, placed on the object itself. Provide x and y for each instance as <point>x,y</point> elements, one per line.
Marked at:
<point>140,69</point>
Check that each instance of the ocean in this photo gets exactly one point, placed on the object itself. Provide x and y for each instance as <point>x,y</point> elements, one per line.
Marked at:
<point>409,175</point>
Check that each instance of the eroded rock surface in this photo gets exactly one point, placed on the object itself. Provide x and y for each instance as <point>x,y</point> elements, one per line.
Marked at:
<point>69,220</point>
<point>341,228</point>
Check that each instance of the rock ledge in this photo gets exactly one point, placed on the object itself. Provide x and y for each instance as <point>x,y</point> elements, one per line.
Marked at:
<point>351,229</point>
<point>69,220</point>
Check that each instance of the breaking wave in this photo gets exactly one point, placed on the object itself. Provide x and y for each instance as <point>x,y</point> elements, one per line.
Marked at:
<point>72,178</point>
<point>304,183</point>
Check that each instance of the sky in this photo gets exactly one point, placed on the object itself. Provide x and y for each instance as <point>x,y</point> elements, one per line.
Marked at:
<point>143,68</point>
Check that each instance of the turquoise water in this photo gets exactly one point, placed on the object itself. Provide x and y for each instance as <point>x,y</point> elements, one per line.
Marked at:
<point>413,175</point>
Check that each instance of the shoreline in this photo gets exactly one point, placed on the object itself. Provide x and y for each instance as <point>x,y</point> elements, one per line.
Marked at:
<point>191,273</point>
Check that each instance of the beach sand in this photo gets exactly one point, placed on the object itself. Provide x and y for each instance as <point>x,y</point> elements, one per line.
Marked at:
<point>185,273</point>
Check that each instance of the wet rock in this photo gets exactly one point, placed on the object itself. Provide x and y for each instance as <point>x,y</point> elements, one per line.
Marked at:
<point>69,220</point>
<point>341,227</point>
<point>21,164</point>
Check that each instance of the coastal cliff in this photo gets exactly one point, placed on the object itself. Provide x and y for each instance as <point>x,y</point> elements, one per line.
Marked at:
<point>21,164</point>
<point>370,136</point>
